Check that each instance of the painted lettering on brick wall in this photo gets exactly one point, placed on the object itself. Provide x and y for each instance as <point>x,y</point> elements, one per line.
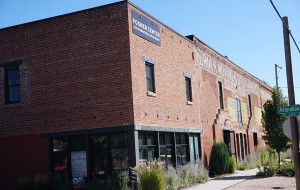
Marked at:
<point>233,80</point>
<point>145,28</point>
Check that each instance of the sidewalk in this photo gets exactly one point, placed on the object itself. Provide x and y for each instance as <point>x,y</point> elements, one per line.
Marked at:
<point>224,182</point>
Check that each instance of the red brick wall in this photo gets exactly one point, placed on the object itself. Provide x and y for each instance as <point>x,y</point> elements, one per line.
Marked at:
<point>169,108</point>
<point>22,156</point>
<point>76,72</point>
<point>174,57</point>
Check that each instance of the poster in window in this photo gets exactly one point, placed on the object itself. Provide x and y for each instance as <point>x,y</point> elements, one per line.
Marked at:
<point>78,162</point>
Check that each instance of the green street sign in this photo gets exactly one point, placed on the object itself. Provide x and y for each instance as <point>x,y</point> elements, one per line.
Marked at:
<point>291,111</point>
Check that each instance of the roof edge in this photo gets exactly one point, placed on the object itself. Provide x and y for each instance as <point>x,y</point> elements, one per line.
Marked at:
<point>260,80</point>
<point>62,15</point>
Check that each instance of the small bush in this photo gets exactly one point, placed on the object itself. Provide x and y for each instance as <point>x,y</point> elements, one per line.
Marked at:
<point>57,181</point>
<point>270,171</point>
<point>271,156</point>
<point>173,180</point>
<point>287,169</point>
<point>232,164</point>
<point>263,157</point>
<point>153,180</point>
<point>219,159</point>
<point>24,183</point>
<point>41,182</point>
<point>119,180</point>
<point>242,167</point>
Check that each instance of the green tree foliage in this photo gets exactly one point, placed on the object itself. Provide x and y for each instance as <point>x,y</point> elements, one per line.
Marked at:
<point>272,123</point>
<point>219,159</point>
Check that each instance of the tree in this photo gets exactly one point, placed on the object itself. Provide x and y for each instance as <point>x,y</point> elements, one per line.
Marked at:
<point>272,123</point>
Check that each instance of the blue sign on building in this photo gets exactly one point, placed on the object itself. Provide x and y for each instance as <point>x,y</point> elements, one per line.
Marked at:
<point>145,28</point>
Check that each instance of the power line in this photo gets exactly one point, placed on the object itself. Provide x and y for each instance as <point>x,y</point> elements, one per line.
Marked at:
<point>286,26</point>
<point>287,87</point>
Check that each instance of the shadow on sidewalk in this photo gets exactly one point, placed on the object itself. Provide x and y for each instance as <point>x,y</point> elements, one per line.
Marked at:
<point>230,178</point>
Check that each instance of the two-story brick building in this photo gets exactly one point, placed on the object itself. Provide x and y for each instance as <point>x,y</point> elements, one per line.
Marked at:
<point>89,92</point>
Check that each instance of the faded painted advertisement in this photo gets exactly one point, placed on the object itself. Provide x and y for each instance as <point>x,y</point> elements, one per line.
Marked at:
<point>258,115</point>
<point>233,80</point>
<point>232,109</point>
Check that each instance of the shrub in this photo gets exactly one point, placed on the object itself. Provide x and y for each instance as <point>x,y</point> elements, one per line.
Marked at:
<point>24,183</point>
<point>119,180</point>
<point>270,171</point>
<point>232,165</point>
<point>173,180</point>
<point>153,180</point>
<point>271,156</point>
<point>41,182</point>
<point>250,161</point>
<point>242,167</point>
<point>263,157</point>
<point>287,169</point>
<point>57,181</point>
<point>219,159</point>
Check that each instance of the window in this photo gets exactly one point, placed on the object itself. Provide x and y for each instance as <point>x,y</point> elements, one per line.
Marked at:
<point>12,84</point>
<point>239,112</point>
<point>60,156</point>
<point>220,95</point>
<point>181,148</point>
<point>250,106</point>
<point>150,77</point>
<point>255,139</point>
<point>188,86</point>
<point>108,153</point>
<point>166,147</point>
<point>147,146</point>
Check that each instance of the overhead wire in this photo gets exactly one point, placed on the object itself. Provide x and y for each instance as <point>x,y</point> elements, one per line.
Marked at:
<point>286,26</point>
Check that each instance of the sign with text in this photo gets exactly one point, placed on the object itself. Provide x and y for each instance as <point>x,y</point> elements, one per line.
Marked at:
<point>79,167</point>
<point>291,111</point>
<point>145,28</point>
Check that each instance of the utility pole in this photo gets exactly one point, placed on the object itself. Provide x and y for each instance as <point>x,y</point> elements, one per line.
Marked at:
<point>290,84</point>
<point>276,76</point>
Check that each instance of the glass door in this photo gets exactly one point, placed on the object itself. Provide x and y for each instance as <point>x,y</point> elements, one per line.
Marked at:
<point>194,147</point>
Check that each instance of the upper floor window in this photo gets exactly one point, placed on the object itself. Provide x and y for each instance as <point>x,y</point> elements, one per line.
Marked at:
<point>12,84</point>
<point>150,77</point>
<point>250,106</point>
<point>220,95</point>
<point>188,86</point>
<point>239,112</point>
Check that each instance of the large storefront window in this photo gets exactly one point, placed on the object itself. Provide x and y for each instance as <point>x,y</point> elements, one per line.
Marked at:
<point>119,151</point>
<point>181,148</point>
<point>109,153</point>
<point>100,155</point>
<point>146,146</point>
<point>166,147</point>
<point>60,156</point>
<point>106,153</point>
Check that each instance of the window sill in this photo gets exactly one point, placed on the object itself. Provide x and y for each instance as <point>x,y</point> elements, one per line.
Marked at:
<point>151,94</point>
<point>189,103</point>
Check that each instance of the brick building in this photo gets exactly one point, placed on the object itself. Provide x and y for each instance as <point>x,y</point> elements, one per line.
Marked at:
<point>107,87</point>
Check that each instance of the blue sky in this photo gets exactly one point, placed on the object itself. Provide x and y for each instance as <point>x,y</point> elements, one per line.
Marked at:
<point>249,32</point>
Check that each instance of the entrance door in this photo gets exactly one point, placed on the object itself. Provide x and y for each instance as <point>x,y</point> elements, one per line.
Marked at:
<point>227,140</point>
<point>194,147</point>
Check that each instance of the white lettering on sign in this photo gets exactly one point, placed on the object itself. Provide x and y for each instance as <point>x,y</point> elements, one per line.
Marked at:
<point>233,80</point>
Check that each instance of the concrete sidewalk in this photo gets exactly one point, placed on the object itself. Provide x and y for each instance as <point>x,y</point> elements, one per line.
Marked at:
<point>224,182</point>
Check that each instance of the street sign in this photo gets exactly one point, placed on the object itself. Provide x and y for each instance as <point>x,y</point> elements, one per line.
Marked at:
<point>287,127</point>
<point>291,111</point>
